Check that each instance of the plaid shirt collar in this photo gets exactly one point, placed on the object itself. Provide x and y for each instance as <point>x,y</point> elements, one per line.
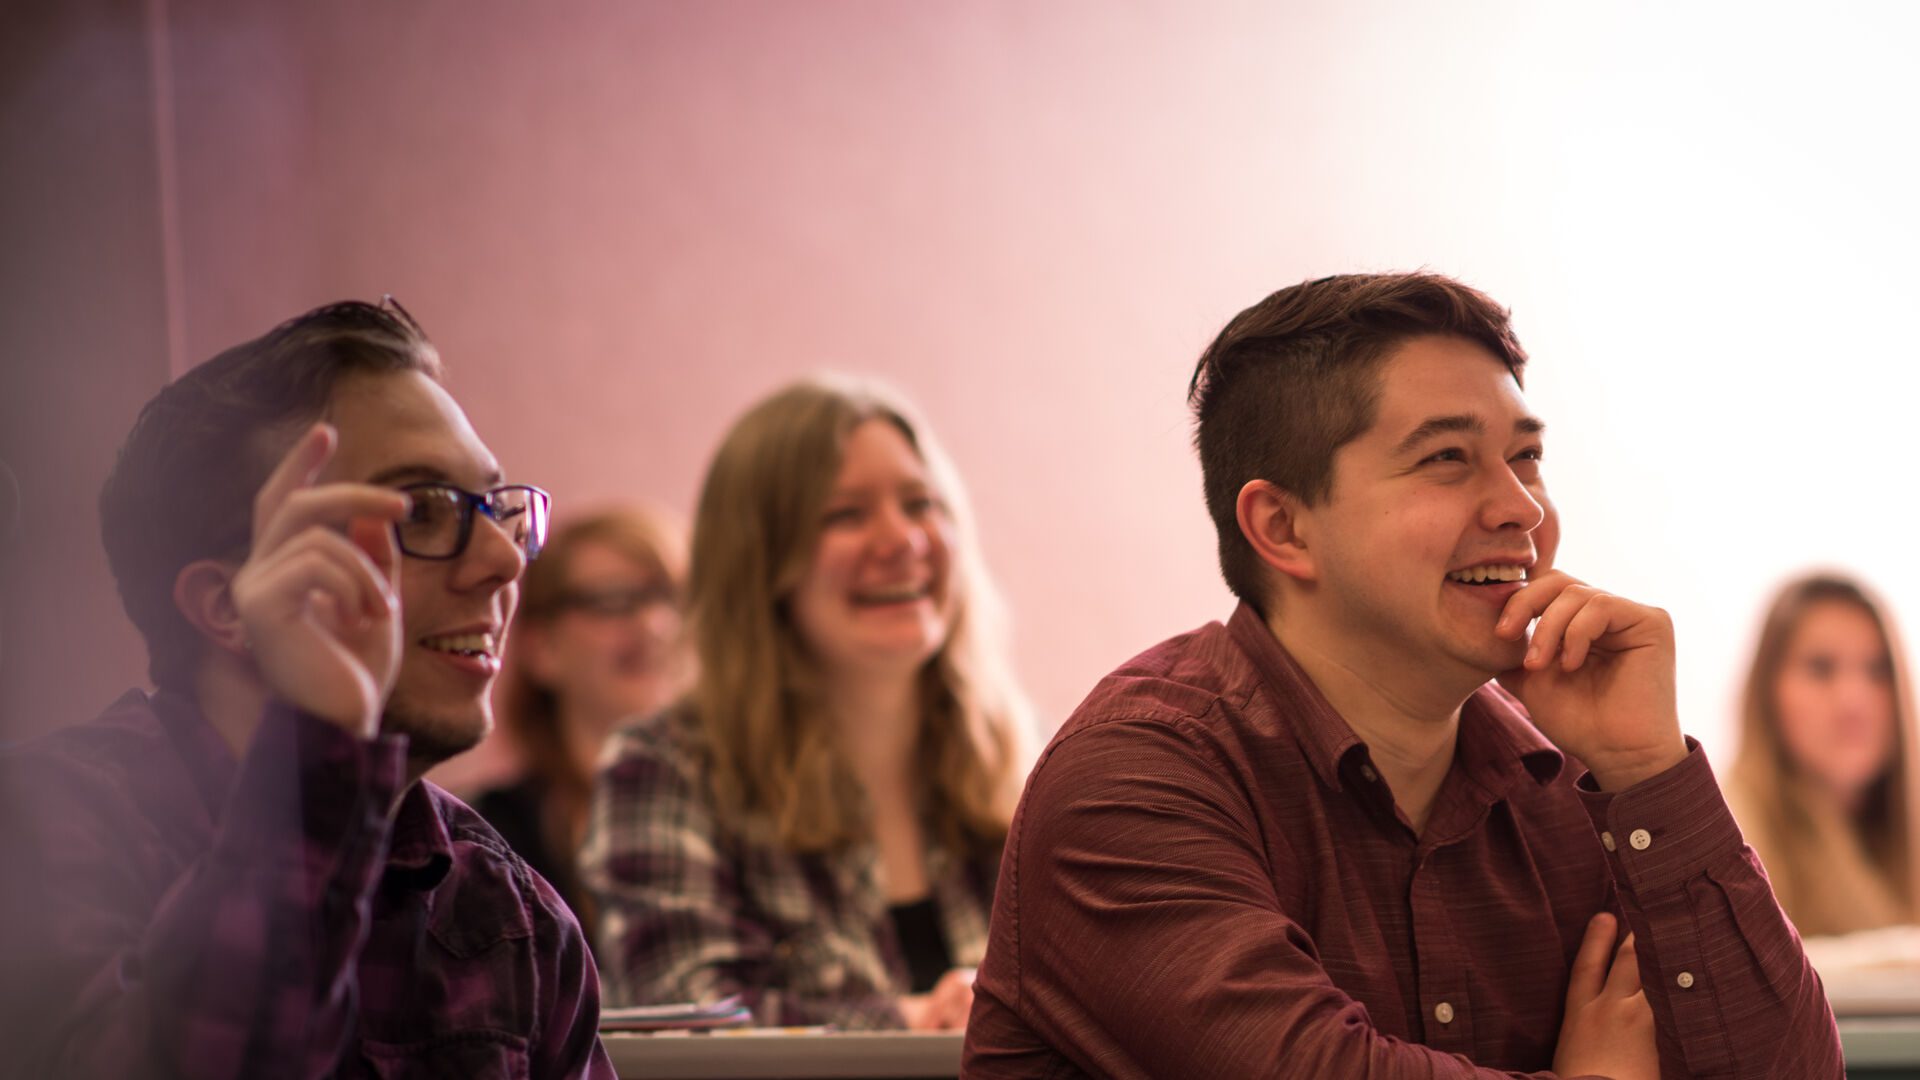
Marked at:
<point>420,854</point>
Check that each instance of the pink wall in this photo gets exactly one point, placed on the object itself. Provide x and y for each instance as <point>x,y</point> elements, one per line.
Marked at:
<point>83,341</point>
<point>623,221</point>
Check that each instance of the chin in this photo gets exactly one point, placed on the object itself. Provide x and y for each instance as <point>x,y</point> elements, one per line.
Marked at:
<point>434,735</point>
<point>1493,657</point>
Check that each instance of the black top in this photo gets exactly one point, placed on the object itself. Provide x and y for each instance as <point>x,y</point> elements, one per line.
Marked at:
<point>921,942</point>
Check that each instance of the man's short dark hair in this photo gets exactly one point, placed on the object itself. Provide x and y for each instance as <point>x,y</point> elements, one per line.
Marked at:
<point>183,486</point>
<point>1291,380</point>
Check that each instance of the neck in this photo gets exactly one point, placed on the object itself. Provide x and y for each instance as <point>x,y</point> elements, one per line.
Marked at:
<point>583,734</point>
<point>1410,729</point>
<point>1847,799</point>
<point>232,699</point>
<point>876,722</point>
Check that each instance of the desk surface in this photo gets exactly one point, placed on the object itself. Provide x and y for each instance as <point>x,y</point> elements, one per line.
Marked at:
<point>1871,1043</point>
<point>768,1052</point>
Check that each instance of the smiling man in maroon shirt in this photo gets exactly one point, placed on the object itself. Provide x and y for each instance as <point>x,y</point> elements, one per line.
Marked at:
<point>242,874</point>
<point>1318,840</point>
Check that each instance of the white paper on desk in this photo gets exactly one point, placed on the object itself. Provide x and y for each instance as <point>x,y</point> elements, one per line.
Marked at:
<point>678,1016</point>
<point>1870,973</point>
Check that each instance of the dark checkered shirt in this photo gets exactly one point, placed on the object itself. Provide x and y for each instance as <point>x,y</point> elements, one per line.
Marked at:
<point>168,911</point>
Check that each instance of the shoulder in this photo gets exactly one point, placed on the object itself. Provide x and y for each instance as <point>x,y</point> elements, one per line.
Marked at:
<point>122,758</point>
<point>1182,679</point>
<point>1191,685</point>
<point>484,863</point>
<point>1181,706</point>
<point>654,781</point>
<point>466,825</point>
<point>671,741</point>
<point>129,730</point>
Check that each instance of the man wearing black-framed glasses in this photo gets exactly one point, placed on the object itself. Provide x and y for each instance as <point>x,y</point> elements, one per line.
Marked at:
<point>242,873</point>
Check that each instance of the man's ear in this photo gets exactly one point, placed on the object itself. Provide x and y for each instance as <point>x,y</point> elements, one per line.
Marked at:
<point>1271,518</point>
<point>203,593</point>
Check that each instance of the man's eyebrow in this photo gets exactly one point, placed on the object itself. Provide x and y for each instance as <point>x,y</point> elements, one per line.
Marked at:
<point>1467,423</point>
<point>408,474</point>
<point>1441,425</point>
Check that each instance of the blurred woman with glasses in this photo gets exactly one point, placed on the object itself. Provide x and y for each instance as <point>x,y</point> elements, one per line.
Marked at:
<point>817,829</point>
<point>597,643</point>
<point>1824,785</point>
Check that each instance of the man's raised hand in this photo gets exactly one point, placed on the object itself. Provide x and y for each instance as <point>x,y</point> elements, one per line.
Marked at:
<point>1598,677</point>
<point>318,594</point>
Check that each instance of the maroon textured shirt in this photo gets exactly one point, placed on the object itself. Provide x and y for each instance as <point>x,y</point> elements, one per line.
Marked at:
<point>1206,877</point>
<point>167,911</point>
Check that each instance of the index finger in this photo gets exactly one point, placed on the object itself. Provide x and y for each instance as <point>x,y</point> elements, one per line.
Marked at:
<point>297,469</point>
<point>1533,598</point>
<point>1589,972</point>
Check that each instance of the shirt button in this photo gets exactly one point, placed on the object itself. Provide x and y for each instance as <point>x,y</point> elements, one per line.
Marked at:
<point>1606,840</point>
<point>1685,980</point>
<point>1443,1012</point>
<point>1641,839</point>
<point>1367,771</point>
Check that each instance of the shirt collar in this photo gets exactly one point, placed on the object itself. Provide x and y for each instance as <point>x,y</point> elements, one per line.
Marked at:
<point>208,758</point>
<point>1496,739</point>
<point>421,854</point>
<point>1323,734</point>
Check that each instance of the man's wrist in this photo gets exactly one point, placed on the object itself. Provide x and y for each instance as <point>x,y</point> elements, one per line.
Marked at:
<point>1618,772</point>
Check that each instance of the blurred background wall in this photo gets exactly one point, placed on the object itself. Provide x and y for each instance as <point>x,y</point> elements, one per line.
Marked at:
<point>624,221</point>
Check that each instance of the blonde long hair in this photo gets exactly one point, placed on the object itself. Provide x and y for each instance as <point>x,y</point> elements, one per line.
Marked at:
<point>1834,872</point>
<point>758,696</point>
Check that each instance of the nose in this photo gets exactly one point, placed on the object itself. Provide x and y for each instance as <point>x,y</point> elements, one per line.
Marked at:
<point>1860,688</point>
<point>1509,503</point>
<point>896,532</point>
<point>659,619</point>
<point>493,556</point>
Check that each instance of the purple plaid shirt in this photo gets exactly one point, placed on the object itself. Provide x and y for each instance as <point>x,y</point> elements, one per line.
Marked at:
<point>168,911</point>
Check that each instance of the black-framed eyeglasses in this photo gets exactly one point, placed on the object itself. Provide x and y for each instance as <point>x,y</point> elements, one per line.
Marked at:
<point>618,602</point>
<point>440,523</point>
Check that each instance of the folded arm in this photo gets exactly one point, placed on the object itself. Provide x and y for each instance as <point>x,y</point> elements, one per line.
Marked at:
<point>1731,989</point>
<point>1150,940</point>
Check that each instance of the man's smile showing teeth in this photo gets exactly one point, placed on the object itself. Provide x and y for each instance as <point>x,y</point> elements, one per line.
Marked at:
<point>461,644</point>
<point>1488,575</point>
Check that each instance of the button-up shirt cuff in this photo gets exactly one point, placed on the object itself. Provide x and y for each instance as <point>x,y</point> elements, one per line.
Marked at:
<point>1666,829</point>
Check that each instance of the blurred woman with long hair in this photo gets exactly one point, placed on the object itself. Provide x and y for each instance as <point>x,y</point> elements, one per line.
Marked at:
<point>597,642</point>
<point>817,828</point>
<point>1824,785</point>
